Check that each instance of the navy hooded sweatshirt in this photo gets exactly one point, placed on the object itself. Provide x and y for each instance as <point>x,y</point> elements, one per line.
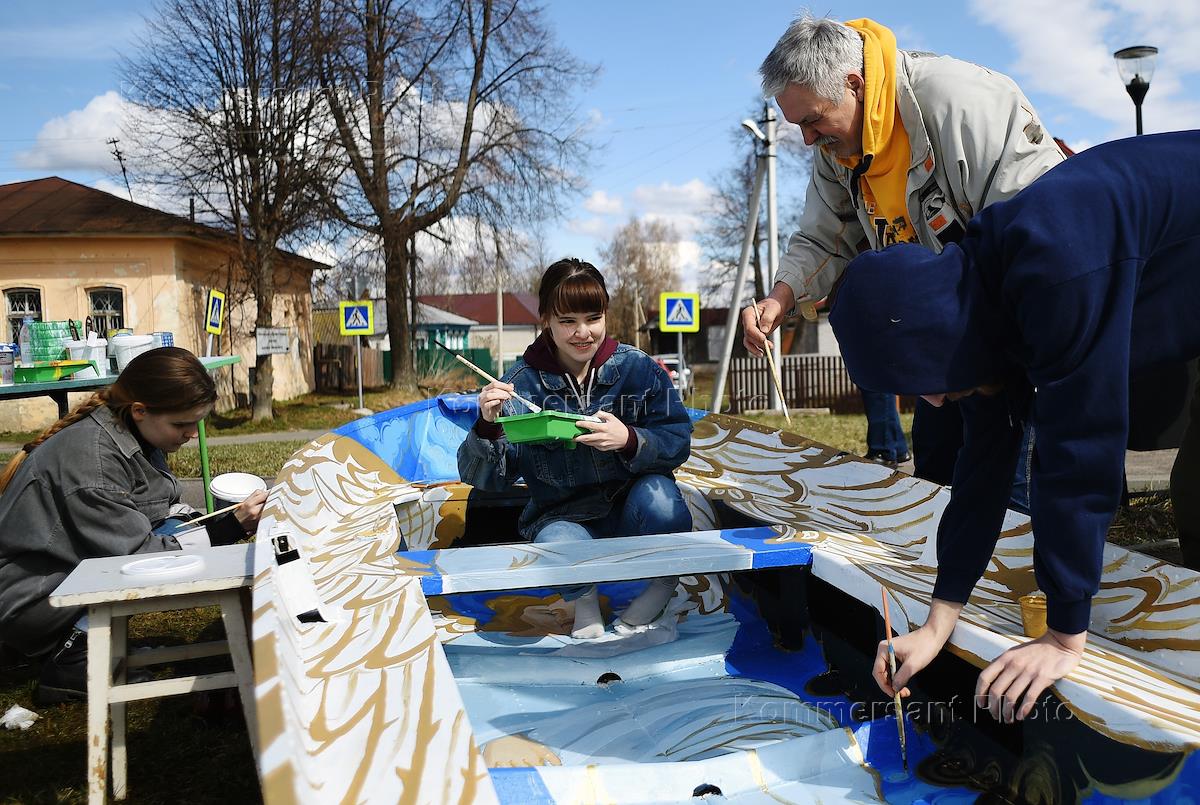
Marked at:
<point>1086,277</point>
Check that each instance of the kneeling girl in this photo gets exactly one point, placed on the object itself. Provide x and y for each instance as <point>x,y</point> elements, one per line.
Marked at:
<point>617,481</point>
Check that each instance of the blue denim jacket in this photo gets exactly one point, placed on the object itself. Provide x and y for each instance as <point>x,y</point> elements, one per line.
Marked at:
<point>581,484</point>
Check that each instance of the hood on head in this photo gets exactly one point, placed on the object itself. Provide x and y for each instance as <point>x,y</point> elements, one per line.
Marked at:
<point>909,321</point>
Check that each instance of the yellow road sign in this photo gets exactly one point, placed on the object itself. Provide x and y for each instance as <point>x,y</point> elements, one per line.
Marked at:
<point>678,312</point>
<point>357,318</point>
<point>214,315</point>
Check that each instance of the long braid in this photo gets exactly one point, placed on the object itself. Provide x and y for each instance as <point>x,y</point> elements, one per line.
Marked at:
<point>82,410</point>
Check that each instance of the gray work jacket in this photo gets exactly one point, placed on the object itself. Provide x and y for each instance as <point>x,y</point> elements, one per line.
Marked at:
<point>974,139</point>
<point>89,490</point>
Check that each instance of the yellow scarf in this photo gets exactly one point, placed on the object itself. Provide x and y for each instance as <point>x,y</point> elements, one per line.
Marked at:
<point>884,184</point>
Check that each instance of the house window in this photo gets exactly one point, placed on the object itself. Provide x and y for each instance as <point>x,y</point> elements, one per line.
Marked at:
<point>19,303</point>
<point>106,306</point>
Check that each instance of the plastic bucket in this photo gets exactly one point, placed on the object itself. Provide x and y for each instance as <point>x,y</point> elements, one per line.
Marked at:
<point>127,347</point>
<point>234,487</point>
<point>79,352</point>
<point>97,353</point>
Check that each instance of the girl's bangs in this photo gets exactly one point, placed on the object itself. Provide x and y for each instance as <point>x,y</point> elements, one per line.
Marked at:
<point>579,294</point>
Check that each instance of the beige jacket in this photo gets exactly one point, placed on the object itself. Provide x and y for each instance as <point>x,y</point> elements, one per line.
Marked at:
<point>975,139</point>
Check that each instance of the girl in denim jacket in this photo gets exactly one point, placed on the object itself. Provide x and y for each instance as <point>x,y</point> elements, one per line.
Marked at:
<point>617,481</point>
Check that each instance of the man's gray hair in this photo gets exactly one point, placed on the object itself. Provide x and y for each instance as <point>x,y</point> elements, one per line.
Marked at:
<point>816,53</point>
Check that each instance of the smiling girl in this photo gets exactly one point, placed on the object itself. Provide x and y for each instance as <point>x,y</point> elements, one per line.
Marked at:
<point>618,480</point>
<point>96,483</point>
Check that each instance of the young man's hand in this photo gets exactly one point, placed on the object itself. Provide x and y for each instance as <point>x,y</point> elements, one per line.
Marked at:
<point>916,649</point>
<point>606,435</point>
<point>1011,685</point>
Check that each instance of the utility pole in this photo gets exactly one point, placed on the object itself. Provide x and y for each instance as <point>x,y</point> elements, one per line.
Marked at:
<point>116,152</point>
<point>637,316</point>
<point>499,322</point>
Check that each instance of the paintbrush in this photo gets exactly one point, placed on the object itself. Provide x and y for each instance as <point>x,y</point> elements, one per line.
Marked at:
<point>771,368</point>
<point>534,408</point>
<point>210,515</point>
<point>887,628</point>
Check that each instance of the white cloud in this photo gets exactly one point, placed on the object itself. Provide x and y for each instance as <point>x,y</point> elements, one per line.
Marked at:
<point>597,228</point>
<point>689,197</point>
<point>77,140</point>
<point>691,260</point>
<point>1068,55</point>
<point>683,206</point>
<point>601,203</point>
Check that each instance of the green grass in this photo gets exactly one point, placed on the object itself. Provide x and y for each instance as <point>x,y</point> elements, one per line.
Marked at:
<point>312,411</point>
<point>260,458</point>
<point>191,748</point>
<point>841,431</point>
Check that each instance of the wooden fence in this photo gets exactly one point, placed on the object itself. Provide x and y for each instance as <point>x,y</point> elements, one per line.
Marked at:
<point>336,369</point>
<point>809,381</point>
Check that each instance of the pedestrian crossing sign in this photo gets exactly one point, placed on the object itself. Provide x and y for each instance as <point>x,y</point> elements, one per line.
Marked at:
<point>214,312</point>
<point>357,318</point>
<point>678,312</point>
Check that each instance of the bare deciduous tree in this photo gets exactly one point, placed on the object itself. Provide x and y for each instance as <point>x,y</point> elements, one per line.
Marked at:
<point>641,261</point>
<point>445,107</point>
<point>228,115</point>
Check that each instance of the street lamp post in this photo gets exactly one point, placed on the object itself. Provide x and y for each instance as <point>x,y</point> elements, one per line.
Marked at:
<point>1136,66</point>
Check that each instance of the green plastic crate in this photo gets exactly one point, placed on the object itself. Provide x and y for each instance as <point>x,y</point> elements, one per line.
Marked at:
<point>546,426</point>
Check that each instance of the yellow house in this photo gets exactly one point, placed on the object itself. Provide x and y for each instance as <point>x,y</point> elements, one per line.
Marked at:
<point>71,251</point>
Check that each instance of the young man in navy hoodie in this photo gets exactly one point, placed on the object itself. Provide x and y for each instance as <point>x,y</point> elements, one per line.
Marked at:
<point>1052,301</point>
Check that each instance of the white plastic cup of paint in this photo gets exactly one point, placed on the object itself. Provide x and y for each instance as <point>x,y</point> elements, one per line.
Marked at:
<point>234,487</point>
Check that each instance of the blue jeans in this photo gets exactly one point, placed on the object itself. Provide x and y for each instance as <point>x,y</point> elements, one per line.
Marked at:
<point>937,437</point>
<point>653,505</point>
<point>1019,496</point>
<point>885,434</point>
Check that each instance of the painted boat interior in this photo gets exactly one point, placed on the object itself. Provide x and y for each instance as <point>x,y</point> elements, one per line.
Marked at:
<point>408,648</point>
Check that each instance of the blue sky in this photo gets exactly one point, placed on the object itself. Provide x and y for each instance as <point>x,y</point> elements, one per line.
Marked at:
<point>677,77</point>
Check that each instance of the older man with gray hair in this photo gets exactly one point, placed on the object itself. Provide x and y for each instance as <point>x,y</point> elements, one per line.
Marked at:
<point>908,147</point>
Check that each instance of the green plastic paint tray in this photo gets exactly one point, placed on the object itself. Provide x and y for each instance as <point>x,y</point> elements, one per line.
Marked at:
<point>544,426</point>
<point>47,371</point>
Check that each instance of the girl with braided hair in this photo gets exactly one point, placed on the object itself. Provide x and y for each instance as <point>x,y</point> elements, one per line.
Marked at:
<point>96,483</point>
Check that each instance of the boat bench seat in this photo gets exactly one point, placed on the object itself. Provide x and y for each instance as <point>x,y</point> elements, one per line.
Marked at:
<point>522,566</point>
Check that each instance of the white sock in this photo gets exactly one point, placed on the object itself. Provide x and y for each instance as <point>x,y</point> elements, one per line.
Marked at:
<point>588,623</point>
<point>647,606</point>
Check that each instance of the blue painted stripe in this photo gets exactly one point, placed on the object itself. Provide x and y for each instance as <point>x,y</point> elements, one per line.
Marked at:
<point>520,787</point>
<point>431,579</point>
<point>779,554</point>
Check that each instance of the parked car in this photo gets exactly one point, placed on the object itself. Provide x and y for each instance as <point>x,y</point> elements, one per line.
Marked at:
<point>671,364</point>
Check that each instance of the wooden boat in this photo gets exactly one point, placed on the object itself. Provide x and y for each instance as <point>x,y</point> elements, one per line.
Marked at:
<point>408,649</point>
